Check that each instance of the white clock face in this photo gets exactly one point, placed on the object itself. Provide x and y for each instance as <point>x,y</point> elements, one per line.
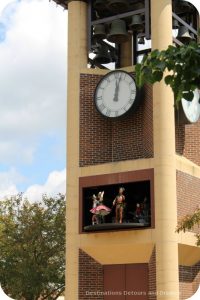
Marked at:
<point>115,94</point>
<point>192,108</point>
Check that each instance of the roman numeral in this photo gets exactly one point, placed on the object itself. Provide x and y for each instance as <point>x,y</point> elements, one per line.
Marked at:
<point>131,101</point>
<point>133,92</point>
<point>117,76</point>
<point>124,76</point>
<point>108,112</point>
<point>116,114</point>
<point>102,107</point>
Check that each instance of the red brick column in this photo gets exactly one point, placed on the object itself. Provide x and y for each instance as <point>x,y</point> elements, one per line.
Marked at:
<point>90,278</point>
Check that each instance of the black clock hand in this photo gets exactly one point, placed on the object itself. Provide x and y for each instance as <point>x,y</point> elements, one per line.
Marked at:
<point>115,99</point>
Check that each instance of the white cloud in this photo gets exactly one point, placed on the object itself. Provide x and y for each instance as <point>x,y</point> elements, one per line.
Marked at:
<point>33,46</point>
<point>32,89</point>
<point>3,3</point>
<point>56,183</point>
<point>8,182</point>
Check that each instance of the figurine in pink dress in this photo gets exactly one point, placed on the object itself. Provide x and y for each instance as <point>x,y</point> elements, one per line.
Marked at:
<point>93,210</point>
<point>99,210</point>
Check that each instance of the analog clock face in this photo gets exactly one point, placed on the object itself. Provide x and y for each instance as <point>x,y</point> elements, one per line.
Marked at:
<point>115,94</point>
<point>191,109</point>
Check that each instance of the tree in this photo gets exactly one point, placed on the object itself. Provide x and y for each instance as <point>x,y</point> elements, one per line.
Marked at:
<point>32,247</point>
<point>182,65</point>
<point>189,222</point>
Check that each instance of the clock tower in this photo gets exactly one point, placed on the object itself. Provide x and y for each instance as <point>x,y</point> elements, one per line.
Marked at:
<point>133,168</point>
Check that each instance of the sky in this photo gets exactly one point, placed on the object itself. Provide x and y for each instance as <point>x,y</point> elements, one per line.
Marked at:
<point>33,77</point>
<point>196,3</point>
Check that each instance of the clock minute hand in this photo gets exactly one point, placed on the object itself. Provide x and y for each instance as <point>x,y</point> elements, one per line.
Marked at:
<point>115,99</point>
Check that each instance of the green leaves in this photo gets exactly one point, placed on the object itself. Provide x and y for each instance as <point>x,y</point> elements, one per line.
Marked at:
<point>157,75</point>
<point>189,222</point>
<point>188,95</point>
<point>32,247</point>
<point>180,67</point>
<point>169,79</point>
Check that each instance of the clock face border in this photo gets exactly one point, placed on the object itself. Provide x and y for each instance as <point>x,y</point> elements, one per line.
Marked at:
<point>133,107</point>
<point>181,115</point>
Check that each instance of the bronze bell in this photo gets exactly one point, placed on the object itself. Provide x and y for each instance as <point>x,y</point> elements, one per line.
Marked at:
<point>114,56</point>
<point>99,32</point>
<point>137,4</point>
<point>137,24</point>
<point>184,35</point>
<point>96,47</point>
<point>102,55</point>
<point>118,5</point>
<point>118,33</point>
<point>175,24</point>
<point>141,41</point>
<point>100,4</point>
<point>181,6</point>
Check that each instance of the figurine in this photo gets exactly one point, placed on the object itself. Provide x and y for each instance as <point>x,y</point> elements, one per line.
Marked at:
<point>145,209</point>
<point>102,210</point>
<point>119,204</point>
<point>99,210</point>
<point>138,211</point>
<point>100,196</point>
<point>93,210</point>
